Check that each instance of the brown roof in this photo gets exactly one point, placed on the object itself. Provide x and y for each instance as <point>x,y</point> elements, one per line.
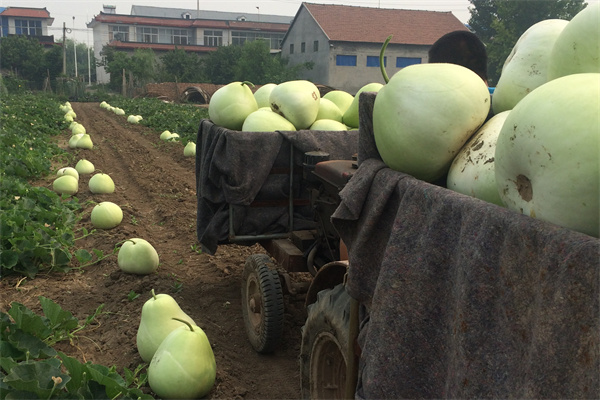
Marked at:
<point>160,46</point>
<point>189,23</point>
<point>25,12</point>
<point>374,25</point>
<point>270,26</point>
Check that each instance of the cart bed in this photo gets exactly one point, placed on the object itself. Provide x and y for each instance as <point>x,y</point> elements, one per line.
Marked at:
<point>249,173</point>
<point>461,298</point>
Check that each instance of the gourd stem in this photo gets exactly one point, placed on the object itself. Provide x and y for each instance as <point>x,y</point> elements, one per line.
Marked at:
<point>153,294</point>
<point>248,83</point>
<point>185,322</point>
<point>381,59</point>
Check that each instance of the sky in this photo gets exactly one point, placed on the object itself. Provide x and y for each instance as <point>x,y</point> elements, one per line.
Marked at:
<point>75,14</point>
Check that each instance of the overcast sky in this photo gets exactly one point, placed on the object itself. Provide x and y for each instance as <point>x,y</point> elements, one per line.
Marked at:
<point>84,11</point>
<point>63,11</point>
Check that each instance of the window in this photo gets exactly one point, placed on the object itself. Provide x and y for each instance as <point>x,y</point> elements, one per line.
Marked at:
<point>118,32</point>
<point>147,35</point>
<point>274,39</point>
<point>345,61</point>
<point>213,38</point>
<point>291,48</point>
<point>28,27</point>
<point>402,62</point>
<point>181,36</point>
<point>373,61</point>
<point>316,46</point>
<point>303,47</point>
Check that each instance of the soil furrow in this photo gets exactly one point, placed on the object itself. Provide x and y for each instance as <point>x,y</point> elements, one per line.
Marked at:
<point>155,187</point>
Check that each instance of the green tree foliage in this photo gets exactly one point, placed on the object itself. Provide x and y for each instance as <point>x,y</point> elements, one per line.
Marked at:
<point>141,66</point>
<point>259,66</point>
<point>219,66</point>
<point>24,57</point>
<point>79,51</point>
<point>252,62</point>
<point>181,66</point>
<point>53,60</point>
<point>500,23</point>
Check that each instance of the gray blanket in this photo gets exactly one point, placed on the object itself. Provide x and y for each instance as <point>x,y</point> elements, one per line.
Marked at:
<point>241,171</point>
<point>461,298</point>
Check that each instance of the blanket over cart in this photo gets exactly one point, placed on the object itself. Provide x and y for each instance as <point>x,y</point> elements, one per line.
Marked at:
<point>461,298</point>
<point>236,171</point>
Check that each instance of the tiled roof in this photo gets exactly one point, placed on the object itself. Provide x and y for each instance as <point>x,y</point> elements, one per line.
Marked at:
<point>374,25</point>
<point>189,23</point>
<point>249,25</point>
<point>25,12</point>
<point>160,46</point>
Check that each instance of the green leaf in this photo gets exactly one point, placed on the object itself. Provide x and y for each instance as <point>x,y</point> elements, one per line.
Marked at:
<point>77,371</point>
<point>9,258</point>
<point>28,321</point>
<point>36,377</point>
<point>7,363</point>
<point>114,383</point>
<point>28,343</point>
<point>83,256</point>
<point>58,318</point>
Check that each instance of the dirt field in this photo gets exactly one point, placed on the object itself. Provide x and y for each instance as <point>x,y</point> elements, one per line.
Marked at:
<point>155,187</point>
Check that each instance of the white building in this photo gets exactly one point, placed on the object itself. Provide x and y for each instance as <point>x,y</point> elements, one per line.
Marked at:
<point>164,29</point>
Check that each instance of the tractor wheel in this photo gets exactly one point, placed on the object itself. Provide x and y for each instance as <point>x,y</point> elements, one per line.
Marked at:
<point>262,303</point>
<point>323,353</point>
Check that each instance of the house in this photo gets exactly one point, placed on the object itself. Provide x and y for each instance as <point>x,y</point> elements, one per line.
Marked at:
<point>164,29</point>
<point>344,42</point>
<point>33,22</point>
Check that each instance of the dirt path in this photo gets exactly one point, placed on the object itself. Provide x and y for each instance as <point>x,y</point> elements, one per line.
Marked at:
<point>155,187</point>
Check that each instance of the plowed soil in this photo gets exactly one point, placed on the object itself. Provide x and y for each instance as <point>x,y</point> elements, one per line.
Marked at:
<point>155,187</point>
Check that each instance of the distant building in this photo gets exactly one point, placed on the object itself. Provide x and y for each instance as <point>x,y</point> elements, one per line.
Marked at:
<point>32,22</point>
<point>344,42</point>
<point>164,29</point>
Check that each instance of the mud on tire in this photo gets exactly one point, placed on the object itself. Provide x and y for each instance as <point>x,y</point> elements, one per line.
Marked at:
<point>325,344</point>
<point>262,303</point>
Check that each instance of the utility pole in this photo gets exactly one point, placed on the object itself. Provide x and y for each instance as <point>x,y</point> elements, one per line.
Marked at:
<point>64,49</point>
<point>74,49</point>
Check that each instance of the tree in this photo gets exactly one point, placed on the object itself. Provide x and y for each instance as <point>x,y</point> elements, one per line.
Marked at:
<point>24,57</point>
<point>141,64</point>
<point>219,65</point>
<point>80,50</point>
<point>252,62</point>
<point>500,23</point>
<point>180,66</point>
<point>259,66</point>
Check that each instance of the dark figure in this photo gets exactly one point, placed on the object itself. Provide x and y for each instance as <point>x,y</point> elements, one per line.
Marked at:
<point>462,48</point>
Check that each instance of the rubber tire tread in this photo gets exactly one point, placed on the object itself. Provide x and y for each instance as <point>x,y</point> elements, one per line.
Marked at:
<point>271,331</point>
<point>330,313</point>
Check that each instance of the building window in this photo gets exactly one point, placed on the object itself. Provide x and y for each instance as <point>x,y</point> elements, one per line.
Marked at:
<point>291,48</point>
<point>147,35</point>
<point>274,39</point>
<point>213,38</point>
<point>118,32</point>
<point>373,61</point>
<point>28,27</point>
<point>402,62</point>
<point>303,47</point>
<point>181,36</point>
<point>345,61</point>
<point>316,46</point>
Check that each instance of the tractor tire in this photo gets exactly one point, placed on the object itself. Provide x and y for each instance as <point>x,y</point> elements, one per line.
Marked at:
<point>324,348</point>
<point>262,303</point>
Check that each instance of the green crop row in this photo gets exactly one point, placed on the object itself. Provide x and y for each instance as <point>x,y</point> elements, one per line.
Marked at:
<point>30,368</point>
<point>35,222</point>
<point>183,119</point>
